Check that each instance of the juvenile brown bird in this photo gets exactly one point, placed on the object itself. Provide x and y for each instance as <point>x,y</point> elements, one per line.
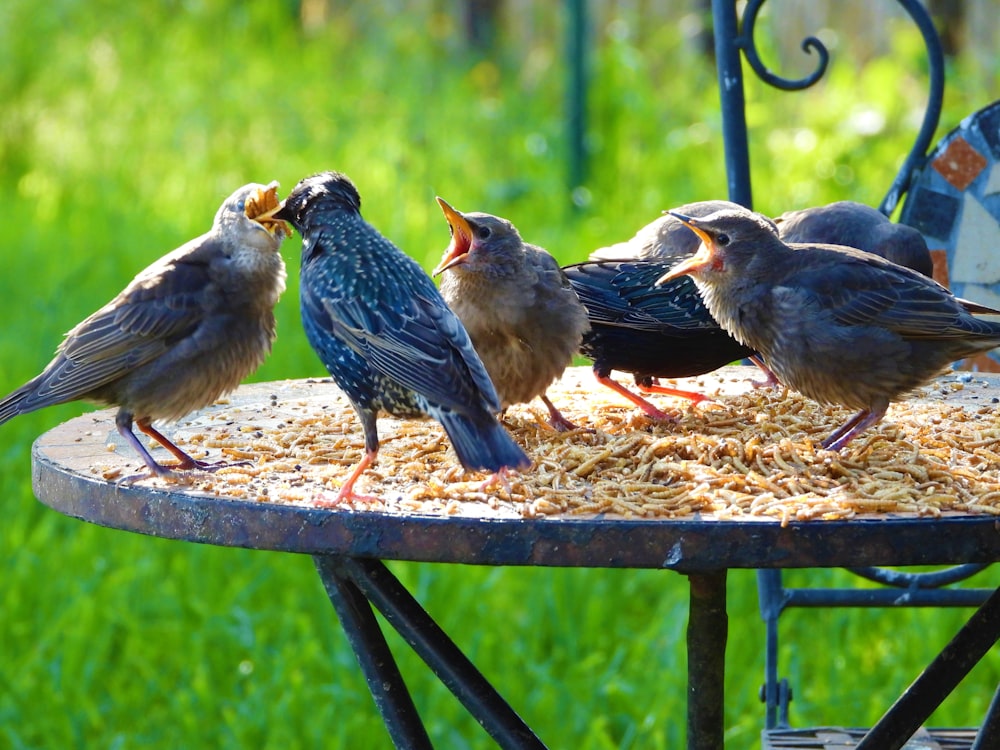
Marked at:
<point>839,325</point>
<point>860,226</point>
<point>651,332</point>
<point>381,328</point>
<point>522,315</point>
<point>186,330</point>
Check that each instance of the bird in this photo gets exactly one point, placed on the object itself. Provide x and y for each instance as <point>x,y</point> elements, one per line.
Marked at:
<point>390,342</point>
<point>859,226</point>
<point>837,324</point>
<point>663,238</point>
<point>185,331</point>
<point>647,331</point>
<point>523,317</point>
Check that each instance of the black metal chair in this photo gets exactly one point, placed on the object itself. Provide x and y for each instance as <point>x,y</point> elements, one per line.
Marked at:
<point>933,186</point>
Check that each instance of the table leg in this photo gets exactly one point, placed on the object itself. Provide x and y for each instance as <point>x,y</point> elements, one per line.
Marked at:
<point>384,680</point>
<point>433,645</point>
<point>989,733</point>
<point>708,628</point>
<point>938,680</point>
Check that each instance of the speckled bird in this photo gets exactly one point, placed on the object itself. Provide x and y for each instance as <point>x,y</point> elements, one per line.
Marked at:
<point>859,226</point>
<point>381,328</point>
<point>521,313</point>
<point>651,332</point>
<point>839,325</point>
<point>185,331</point>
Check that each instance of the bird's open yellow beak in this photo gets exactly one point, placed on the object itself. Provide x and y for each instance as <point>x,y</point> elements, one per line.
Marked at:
<point>262,206</point>
<point>698,261</point>
<point>461,239</point>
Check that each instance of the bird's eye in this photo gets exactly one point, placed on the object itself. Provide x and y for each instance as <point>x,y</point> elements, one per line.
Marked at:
<point>722,240</point>
<point>242,205</point>
<point>483,233</point>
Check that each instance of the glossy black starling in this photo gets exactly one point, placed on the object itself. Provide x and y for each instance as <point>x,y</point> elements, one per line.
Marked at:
<point>521,313</point>
<point>839,325</point>
<point>381,328</point>
<point>663,332</point>
<point>185,331</point>
<point>859,226</point>
<point>651,332</point>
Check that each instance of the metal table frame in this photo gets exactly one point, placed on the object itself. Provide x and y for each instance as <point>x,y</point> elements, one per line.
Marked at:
<point>348,548</point>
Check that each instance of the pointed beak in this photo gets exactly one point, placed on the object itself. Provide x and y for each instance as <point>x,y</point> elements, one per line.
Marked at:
<point>264,208</point>
<point>700,260</point>
<point>461,239</point>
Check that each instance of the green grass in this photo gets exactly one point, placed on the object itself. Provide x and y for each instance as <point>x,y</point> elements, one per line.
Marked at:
<point>120,134</point>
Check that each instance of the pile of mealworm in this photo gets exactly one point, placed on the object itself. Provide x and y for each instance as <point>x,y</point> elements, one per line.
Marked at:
<point>750,452</point>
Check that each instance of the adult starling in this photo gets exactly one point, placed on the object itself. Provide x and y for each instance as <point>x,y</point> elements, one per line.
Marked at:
<point>649,331</point>
<point>837,324</point>
<point>185,331</point>
<point>381,328</point>
<point>859,226</point>
<point>652,333</point>
<point>522,315</point>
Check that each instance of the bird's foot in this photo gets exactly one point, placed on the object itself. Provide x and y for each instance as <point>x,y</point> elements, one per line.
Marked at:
<point>499,477</point>
<point>557,421</point>
<point>647,408</point>
<point>324,500</point>
<point>770,379</point>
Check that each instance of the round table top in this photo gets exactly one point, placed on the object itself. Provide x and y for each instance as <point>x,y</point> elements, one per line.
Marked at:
<point>65,479</point>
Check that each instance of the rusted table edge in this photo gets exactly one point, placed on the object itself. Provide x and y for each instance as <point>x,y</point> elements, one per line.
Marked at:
<point>682,545</point>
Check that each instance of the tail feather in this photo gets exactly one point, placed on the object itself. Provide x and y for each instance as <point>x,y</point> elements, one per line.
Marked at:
<point>14,403</point>
<point>482,444</point>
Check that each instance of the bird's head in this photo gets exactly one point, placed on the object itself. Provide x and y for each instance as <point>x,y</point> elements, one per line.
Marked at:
<point>316,194</point>
<point>250,213</point>
<point>479,242</point>
<point>730,240</point>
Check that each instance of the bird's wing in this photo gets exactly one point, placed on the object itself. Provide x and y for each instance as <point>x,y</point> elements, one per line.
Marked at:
<point>623,294</point>
<point>137,326</point>
<point>871,291</point>
<point>416,340</point>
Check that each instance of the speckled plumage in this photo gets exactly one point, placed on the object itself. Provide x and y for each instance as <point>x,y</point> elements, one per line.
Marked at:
<point>521,313</point>
<point>859,226</point>
<point>839,325</point>
<point>381,328</point>
<point>186,330</point>
<point>664,332</point>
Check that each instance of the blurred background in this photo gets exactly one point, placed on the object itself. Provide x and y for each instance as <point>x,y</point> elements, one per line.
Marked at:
<point>122,128</point>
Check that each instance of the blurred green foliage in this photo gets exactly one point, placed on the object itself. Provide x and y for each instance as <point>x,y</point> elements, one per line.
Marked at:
<point>123,126</point>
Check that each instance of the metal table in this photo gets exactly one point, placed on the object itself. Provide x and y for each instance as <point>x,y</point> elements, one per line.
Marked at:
<point>349,546</point>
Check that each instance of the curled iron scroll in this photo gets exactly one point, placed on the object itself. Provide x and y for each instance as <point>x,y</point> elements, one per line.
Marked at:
<point>932,113</point>
<point>749,45</point>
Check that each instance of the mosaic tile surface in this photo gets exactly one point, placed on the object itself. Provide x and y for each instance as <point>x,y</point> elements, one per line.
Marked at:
<point>955,203</point>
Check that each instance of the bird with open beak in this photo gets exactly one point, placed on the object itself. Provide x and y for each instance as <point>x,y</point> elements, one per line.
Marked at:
<point>839,325</point>
<point>523,317</point>
<point>185,331</point>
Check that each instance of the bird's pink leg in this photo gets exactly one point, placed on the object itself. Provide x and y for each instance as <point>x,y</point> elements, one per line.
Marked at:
<point>852,428</point>
<point>186,461</point>
<point>650,410</point>
<point>691,396</point>
<point>556,419</point>
<point>770,380</point>
<point>496,478</point>
<point>346,491</point>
